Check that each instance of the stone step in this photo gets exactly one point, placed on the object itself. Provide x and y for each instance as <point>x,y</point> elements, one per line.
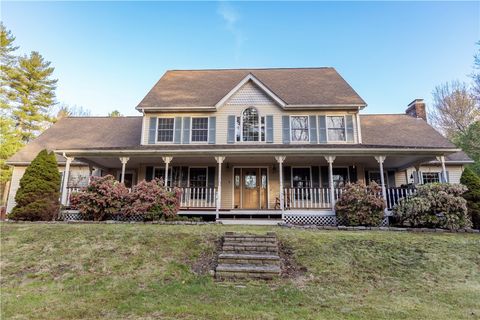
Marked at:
<point>250,239</point>
<point>251,250</point>
<point>249,244</point>
<point>255,259</point>
<point>241,271</point>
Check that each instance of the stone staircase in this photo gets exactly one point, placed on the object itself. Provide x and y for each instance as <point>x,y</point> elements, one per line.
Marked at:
<point>248,256</point>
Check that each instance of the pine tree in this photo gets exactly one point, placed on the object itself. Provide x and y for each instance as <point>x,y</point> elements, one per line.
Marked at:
<point>33,90</point>
<point>7,65</point>
<point>38,196</point>
<point>472,182</point>
<point>114,114</point>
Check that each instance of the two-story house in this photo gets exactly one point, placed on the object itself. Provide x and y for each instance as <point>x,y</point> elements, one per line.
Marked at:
<point>270,143</point>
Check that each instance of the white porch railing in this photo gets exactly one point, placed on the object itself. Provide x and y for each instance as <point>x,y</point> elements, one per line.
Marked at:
<point>189,197</point>
<point>309,198</point>
<point>198,197</point>
<point>318,198</point>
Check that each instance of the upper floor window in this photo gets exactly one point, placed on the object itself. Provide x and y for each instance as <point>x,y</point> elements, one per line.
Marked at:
<point>336,128</point>
<point>165,129</point>
<point>199,129</point>
<point>299,128</point>
<point>250,126</point>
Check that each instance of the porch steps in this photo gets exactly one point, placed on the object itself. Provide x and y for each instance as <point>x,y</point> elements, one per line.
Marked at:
<point>248,256</point>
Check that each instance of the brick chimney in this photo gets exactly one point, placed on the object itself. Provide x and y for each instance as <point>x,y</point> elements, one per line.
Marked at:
<point>417,109</point>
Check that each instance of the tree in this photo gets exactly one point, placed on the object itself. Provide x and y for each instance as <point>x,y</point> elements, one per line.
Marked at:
<point>472,182</point>
<point>470,143</point>
<point>72,111</point>
<point>115,113</point>
<point>38,196</point>
<point>7,64</point>
<point>476,76</point>
<point>33,91</point>
<point>454,109</point>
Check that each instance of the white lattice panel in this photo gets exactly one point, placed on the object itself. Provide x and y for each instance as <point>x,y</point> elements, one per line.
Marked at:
<point>249,94</point>
<point>311,220</point>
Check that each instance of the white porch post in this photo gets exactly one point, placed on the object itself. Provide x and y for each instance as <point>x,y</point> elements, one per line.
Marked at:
<point>380,160</point>
<point>66,174</point>
<point>330,160</point>
<point>444,169</point>
<point>280,160</point>
<point>219,186</point>
<point>167,161</point>
<point>124,161</point>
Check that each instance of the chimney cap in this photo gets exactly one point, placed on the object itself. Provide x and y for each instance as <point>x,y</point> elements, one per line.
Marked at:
<point>418,100</point>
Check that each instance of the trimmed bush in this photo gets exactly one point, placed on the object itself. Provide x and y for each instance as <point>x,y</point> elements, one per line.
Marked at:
<point>472,182</point>
<point>361,205</point>
<point>104,196</point>
<point>38,196</point>
<point>436,205</point>
<point>153,201</point>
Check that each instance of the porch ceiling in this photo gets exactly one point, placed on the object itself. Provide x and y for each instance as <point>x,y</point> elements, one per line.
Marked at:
<point>392,161</point>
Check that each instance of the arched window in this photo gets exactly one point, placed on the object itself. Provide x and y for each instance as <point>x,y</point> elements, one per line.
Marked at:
<point>250,125</point>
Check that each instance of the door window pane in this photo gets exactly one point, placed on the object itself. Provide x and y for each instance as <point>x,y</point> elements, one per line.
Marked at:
<point>299,128</point>
<point>199,129</point>
<point>336,128</point>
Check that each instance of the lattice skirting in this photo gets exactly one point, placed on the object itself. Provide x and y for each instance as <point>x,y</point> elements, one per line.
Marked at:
<point>321,220</point>
<point>71,215</point>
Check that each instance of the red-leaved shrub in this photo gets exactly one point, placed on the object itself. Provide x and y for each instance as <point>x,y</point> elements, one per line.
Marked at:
<point>153,201</point>
<point>361,205</point>
<point>102,197</point>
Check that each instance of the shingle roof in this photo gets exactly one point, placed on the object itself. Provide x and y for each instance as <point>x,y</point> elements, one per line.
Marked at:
<point>205,88</point>
<point>378,131</point>
<point>400,130</point>
<point>84,132</point>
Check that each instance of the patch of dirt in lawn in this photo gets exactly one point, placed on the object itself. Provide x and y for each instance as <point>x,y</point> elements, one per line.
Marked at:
<point>207,261</point>
<point>290,268</point>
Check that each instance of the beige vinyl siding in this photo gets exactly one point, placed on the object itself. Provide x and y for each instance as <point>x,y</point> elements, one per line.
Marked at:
<point>18,172</point>
<point>454,173</point>
<point>263,110</point>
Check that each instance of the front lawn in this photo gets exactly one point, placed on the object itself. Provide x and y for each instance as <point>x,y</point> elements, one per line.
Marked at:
<point>138,271</point>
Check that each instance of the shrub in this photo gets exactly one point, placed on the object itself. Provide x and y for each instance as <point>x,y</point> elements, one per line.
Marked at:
<point>472,182</point>
<point>153,200</point>
<point>361,205</point>
<point>39,192</point>
<point>436,205</point>
<point>102,197</point>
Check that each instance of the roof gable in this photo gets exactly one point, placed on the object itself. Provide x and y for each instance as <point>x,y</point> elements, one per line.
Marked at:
<point>250,91</point>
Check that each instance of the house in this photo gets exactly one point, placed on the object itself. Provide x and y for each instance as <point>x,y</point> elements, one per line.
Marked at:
<point>278,143</point>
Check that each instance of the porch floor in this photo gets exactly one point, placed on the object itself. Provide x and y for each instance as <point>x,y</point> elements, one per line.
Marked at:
<point>257,222</point>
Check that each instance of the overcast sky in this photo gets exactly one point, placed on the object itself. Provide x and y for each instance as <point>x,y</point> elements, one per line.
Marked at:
<point>107,55</point>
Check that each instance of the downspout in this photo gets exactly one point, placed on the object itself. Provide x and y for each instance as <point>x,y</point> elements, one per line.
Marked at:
<point>359,127</point>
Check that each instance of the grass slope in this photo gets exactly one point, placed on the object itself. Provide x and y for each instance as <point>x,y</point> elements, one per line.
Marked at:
<point>143,272</point>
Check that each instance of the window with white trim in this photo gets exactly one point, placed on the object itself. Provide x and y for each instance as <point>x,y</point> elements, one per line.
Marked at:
<point>165,129</point>
<point>336,128</point>
<point>198,178</point>
<point>299,128</point>
<point>199,130</point>
<point>431,177</point>
<point>250,127</point>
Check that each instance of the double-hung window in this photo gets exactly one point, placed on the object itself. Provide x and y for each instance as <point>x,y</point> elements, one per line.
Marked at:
<point>299,128</point>
<point>336,128</point>
<point>431,177</point>
<point>199,129</point>
<point>165,129</point>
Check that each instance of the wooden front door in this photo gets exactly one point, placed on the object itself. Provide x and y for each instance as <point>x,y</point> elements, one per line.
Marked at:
<point>250,189</point>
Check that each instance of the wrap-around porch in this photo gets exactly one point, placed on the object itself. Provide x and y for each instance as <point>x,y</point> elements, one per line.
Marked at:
<point>271,186</point>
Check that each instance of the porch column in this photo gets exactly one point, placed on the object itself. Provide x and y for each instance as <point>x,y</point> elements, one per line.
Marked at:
<point>280,160</point>
<point>66,174</point>
<point>380,160</point>
<point>330,160</point>
<point>219,186</point>
<point>124,161</point>
<point>167,161</point>
<point>444,169</point>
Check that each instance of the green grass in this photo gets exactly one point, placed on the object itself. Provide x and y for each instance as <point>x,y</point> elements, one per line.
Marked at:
<point>144,272</point>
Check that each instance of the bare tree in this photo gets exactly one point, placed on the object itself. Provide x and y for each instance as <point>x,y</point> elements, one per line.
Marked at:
<point>72,111</point>
<point>476,76</point>
<point>454,109</point>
